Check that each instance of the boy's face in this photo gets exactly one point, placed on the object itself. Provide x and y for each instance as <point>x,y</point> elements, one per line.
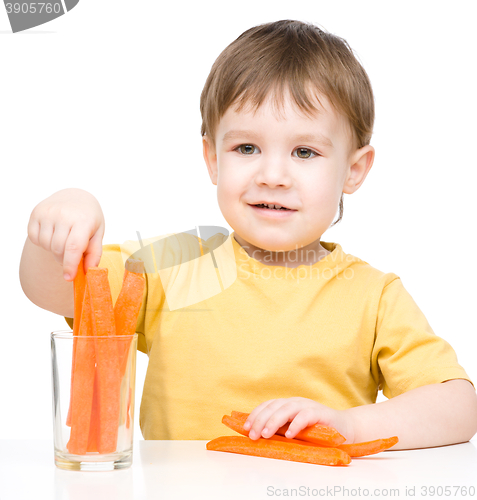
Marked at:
<point>295,161</point>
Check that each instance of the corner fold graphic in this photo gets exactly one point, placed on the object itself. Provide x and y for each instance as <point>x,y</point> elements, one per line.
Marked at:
<point>30,13</point>
<point>70,4</point>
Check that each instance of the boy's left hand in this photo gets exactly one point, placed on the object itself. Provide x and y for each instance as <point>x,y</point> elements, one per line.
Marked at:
<point>268,417</point>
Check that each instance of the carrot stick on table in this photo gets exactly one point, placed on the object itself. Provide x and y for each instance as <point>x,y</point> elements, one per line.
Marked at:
<point>321,435</point>
<point>368,447</point>
<point>234,424</point>
<point>83,383</point>
<point>78,294</point>
<point>353,450</point>
<point>237,426</point>
<point>109,381</point>
<point>127,306</point>
<point>283,451</point>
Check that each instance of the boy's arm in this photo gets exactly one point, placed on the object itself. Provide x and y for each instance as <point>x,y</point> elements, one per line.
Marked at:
<point>428,416</point>
<point>406,356</point>
<point>409,360</point>
<point>41,278</point>
<point>62,228</point>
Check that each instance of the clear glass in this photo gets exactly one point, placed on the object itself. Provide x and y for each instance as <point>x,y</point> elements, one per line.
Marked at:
<point>84,422</point>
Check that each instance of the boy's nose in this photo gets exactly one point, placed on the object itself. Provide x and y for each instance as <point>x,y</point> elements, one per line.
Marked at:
<point>273,172</point>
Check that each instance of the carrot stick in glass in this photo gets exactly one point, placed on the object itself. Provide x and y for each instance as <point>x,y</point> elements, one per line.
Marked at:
<point>128,304</point>
<point>83,383</point>
<point>94,423</point>
<point>79,287</point>
<point>109,381</point>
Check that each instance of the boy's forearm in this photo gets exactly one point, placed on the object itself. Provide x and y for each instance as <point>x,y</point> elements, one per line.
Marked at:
<point>41,278</point>
<point>431,415</point>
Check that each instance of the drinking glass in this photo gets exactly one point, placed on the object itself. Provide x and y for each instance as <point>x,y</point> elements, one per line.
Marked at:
<point>93,380</point>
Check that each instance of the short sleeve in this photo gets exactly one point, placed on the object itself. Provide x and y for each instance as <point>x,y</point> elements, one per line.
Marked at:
<point>407,353</point>
<point>112,259</point>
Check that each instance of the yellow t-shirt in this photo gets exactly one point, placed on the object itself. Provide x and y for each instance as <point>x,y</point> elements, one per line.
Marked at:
<point>225,332</point>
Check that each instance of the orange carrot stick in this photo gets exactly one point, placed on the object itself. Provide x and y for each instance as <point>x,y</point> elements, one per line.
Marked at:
<point>353,450</point>
<point>284,439</point>
<point>321,435</point>
<point>368,447</point>
<point>234,424</point>
<point>94,423</point>
<point>237,426</point>
<point>109,381</point>
<point>83,383</point>
<point>276,449</point>
<point>79,291</point>
<point>128,304</point>
<point>78,294</point>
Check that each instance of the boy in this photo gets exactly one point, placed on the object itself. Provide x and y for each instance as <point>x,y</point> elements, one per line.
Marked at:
<point>302,332</point>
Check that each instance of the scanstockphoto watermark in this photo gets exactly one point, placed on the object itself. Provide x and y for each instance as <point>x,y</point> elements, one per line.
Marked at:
<point>299,264</point>
<point>332,491</point>
<point>422,491</point>
<point>300,273</point>
<point>205,242</point>
<point>200,263</point>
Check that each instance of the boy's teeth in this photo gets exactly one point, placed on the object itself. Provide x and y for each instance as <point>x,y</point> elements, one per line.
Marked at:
<point>275,207</point>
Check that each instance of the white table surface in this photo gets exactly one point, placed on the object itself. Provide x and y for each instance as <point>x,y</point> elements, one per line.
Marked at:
<point>186,470</point>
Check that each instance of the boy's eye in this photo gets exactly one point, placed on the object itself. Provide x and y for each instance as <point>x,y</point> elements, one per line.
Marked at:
<point>246,149</point>
<point>305,153</point>
<point>250,149</point>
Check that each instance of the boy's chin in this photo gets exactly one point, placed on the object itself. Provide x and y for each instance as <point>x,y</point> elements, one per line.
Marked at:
<point>271,244</point>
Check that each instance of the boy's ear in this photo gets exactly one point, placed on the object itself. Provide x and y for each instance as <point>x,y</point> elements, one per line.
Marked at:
<point>360,164</point>
<point>210,157</point>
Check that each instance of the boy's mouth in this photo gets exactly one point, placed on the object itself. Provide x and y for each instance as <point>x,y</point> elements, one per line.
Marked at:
<point>267,212</point>
<point>271,206</point>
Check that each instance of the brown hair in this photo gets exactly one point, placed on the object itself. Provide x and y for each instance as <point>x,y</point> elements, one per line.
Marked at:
<point>295,56</point>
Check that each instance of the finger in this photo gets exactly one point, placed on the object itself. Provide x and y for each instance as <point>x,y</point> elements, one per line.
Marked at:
<point>75,245</point>
<point>286,413</point>
<point>58,241</point>
<point>33,230</point>
<point>262,418</point>
<point>304,418</point>
<point>94,250</point>
<point>253,414</point>
<point>45,234</point>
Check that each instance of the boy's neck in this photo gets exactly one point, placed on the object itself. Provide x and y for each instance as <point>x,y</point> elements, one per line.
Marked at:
<point>307,255</point>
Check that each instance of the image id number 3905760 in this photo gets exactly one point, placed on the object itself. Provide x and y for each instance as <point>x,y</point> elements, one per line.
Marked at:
<point>33,8</point>
<point>447,491</point>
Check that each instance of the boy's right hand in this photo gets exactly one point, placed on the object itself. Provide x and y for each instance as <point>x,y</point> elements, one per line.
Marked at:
<point>68,224</point>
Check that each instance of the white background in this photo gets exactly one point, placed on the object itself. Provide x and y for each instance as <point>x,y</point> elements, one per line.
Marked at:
<point>106,98</point>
